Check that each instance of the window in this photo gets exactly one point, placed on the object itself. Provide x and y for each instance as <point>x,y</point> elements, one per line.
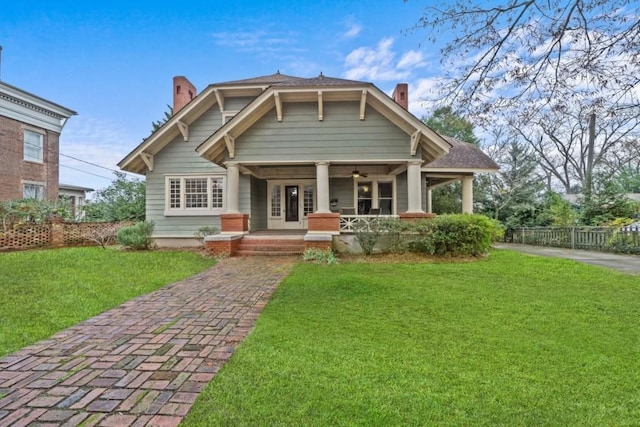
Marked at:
<point>375,192</point>
<point>193,195</point>
<point>364,197</point>
<point>385,197</point>
<point>275,200</point>
<point>33,191</point>
<point>33,146</point>
<point>308,199</point>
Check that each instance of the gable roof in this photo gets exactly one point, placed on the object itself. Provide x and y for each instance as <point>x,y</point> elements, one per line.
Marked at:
<point>267,92</point>
<point>462,157</point>
<point>330,89</point>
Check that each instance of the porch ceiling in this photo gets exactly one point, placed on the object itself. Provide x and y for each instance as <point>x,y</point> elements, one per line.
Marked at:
<point>308,170</point>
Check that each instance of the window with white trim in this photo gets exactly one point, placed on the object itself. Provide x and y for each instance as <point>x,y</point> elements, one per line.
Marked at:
<point>33,191</point>
<point>33,146</point>
<point>375,193</point>
<point>193,195</point>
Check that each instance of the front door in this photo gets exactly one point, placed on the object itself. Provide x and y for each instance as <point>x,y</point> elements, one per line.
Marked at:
<point>289,203</point>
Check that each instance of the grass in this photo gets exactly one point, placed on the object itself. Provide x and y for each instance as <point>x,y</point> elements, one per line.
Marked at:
<point>510,340</point>
<point>43,292</point>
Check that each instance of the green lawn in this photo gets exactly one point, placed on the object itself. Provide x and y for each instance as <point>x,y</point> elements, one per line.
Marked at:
<point>43,292</point>
<point>510,340</point>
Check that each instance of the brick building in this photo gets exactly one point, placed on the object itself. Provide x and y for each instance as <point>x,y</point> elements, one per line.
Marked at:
<point>30,129</point>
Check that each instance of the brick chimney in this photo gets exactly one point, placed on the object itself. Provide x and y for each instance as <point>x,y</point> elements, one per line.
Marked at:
<point>401,95</point>
<point>183,92</point>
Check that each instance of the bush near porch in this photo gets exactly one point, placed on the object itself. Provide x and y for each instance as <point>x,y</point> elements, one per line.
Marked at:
<point>444,235</point>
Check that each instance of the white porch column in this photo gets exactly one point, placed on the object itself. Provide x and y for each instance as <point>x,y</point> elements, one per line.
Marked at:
<point>429,199</point>
<point>467,194</point>
<point>322,183</point>
<point>233,187</point>
<point>414,188</point>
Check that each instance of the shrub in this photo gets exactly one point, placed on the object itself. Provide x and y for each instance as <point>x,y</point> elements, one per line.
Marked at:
<point>456,235</point>
<point>205,231</point>
<point>367,235</point>
<point>137,236</point>
<point>319,256</point>
<point>395,233</point>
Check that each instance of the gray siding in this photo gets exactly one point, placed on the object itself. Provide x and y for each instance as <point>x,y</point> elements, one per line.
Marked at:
<point>179,157</point>
<point>340,136</point>
<point>402,196</point>
<point>342,189</point>
<point>236,104</point>
<point>258,204</point>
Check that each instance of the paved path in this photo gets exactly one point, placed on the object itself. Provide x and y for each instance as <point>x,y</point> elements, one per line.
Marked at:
<point>623,263</point>
<point>143,363</point>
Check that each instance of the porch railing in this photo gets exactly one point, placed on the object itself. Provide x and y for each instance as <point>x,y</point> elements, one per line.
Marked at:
<point>349,223</point>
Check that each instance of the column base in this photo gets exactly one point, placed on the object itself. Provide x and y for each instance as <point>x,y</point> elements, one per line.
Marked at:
<point>234,223</point>
<point>415,216</point>
<point>323,223</point>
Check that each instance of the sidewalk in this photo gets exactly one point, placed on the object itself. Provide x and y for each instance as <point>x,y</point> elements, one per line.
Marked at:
<point>144,362</point>
<point>623,263</point>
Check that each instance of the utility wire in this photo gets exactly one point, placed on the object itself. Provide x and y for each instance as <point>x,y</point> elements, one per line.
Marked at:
<point>88,162</point>
<point>80,170</point>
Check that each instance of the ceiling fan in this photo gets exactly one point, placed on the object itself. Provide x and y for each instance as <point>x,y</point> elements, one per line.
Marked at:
<point>356,173</point>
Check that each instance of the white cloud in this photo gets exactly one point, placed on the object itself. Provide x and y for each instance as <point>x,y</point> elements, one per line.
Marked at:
<point>353,30</point>
<point>374,63</point>
<point>412,59</point>
<point>259,41</point>
<point>95,141</point>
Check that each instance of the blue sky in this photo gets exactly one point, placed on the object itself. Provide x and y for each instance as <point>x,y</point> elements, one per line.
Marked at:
<point>113,61</point>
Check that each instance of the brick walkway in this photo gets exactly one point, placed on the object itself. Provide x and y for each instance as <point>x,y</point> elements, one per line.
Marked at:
<point>143,363</point>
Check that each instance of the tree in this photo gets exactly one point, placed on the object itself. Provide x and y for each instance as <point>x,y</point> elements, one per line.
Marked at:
<point>572,148</point>
<point>123,200</point>
<point>541,50</point>
<point>516,188</point>
<point>167,115</point>
<point>445,121</point>
<point>608,202</point>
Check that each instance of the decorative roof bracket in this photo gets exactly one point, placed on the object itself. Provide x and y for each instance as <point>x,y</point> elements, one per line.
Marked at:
<point>148,160</point>
<point>363,104</point>
<point>219,99</point>
<point>415,139</point>
<point>276,97</point>
<point>184,130</point>
<point>231,145</point>
<point>320,106</point>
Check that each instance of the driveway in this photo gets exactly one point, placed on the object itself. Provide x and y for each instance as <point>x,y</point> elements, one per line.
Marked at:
<point>623,263</point>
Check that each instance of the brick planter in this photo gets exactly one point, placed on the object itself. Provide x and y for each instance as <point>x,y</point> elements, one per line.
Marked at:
<point>318,241</point>
<point>223,244</point>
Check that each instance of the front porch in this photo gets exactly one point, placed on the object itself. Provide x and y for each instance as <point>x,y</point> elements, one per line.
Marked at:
<point>331,197</point>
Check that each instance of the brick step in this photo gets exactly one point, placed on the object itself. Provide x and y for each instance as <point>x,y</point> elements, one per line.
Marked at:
<point>244,252</point>
<point>272,248</point>
<point>250,245</point>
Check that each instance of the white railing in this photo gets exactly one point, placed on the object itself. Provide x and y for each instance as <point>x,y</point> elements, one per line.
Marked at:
<point>349,223</point>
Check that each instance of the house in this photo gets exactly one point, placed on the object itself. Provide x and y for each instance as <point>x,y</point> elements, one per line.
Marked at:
<point>30,129</point>
<point>279,152</point>
<point>77,197</point>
